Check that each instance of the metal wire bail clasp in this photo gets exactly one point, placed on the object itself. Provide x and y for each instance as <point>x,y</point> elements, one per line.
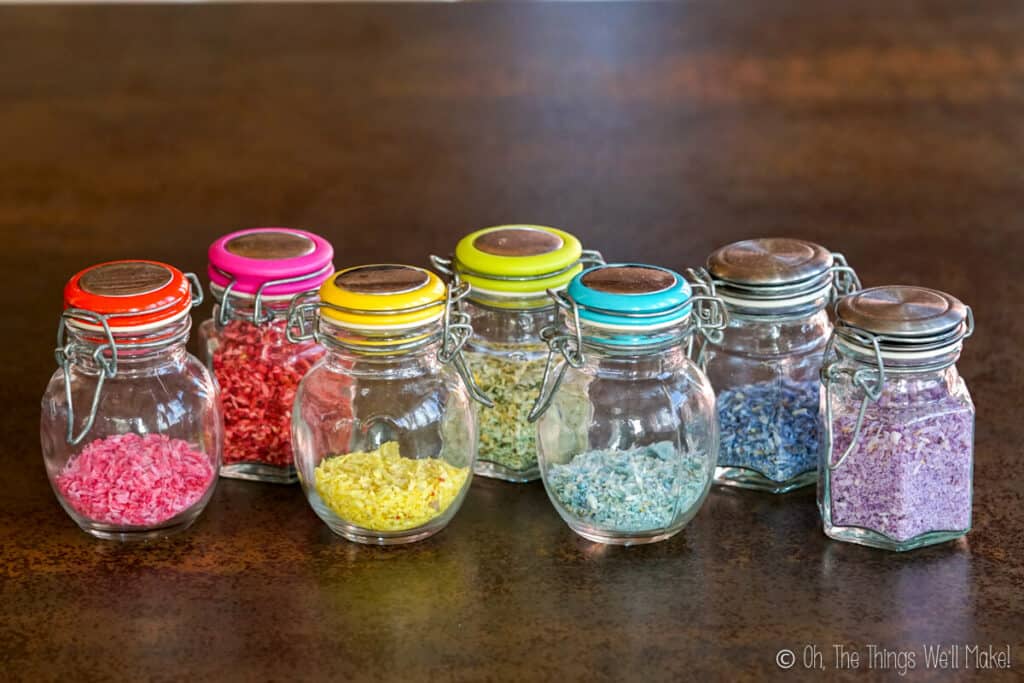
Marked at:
<point>870,380</point>
<point>443,265</point>
<point>64,354</point>
<point>844,278</point>
<point>569,346</point>
<point>195,289</point>
<point>709,310</point>
<point>456,331</point>
<point>259,316</point>
<point>301,322</point>
<point>590,258</point>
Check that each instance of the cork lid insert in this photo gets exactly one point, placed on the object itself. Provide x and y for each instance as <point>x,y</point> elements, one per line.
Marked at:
<point>270,245</point>
<point>628,280</point>
<point>125,279</point>
<point>382,279</point>
<point>518,242</point>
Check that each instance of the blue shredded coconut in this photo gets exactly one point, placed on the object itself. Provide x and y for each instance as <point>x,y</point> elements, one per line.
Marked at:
<point>640,489</point>
<point>770,427</point>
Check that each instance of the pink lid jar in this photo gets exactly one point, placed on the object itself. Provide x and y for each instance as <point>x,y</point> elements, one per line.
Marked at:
<point>254,274</point>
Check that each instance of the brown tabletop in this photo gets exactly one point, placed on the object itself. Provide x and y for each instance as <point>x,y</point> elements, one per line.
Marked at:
<point>890,131</point>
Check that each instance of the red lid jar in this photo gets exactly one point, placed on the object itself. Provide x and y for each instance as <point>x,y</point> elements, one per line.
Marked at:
<point>131,427</point>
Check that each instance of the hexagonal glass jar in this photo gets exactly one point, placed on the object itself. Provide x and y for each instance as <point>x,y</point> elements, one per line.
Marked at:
<point>765,364</point>
<point>896,467</point>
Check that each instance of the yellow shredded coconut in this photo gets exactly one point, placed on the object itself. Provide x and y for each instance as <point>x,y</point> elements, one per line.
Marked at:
<point>383,491</point>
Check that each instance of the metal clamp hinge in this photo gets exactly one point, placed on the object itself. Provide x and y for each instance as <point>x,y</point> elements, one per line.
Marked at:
<point>844,278</point>
<point>104,355</point>
<point>259,316</point>
<point>568,345</point>
<point>870,380</point>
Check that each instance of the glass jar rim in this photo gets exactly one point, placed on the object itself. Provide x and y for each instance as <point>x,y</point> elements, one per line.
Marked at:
<point>348,341</point>
<point>934,358</point>
<point>776,315</point>
<point>512,303</point>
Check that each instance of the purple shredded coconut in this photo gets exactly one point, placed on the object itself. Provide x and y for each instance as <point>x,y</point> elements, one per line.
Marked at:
<point>770,427</point>
<point>910,471</point>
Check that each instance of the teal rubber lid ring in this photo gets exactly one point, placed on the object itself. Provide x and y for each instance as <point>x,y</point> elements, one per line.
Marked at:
<point>631,296</point>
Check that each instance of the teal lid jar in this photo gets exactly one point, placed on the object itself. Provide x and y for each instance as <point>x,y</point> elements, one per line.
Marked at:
<point>626,430</point>
<point>631,304</point>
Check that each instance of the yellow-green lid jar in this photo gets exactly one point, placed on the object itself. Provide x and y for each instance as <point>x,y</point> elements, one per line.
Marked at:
<point>510,269</point>
<point>513,266</point>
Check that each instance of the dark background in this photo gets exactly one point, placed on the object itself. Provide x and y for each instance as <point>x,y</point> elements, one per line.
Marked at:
<point>889,131</point>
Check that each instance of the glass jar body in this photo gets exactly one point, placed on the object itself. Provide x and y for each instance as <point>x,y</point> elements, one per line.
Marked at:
<point>147,467</point>
<point>258,371</point>
<point>384,444</point>
<point>765,372</point>
<point>507,357</point>
<point>628,445</point>
<point>907,480</point>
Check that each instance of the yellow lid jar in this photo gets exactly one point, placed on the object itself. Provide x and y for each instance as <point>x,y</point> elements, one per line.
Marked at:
<point>383,429</point>
<point>510,269</point>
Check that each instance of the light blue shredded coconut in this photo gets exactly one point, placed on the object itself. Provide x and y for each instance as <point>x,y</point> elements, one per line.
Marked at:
<point>640,489</point>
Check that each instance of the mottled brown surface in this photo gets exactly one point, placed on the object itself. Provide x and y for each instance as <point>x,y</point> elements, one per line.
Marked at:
<point>890,131</point>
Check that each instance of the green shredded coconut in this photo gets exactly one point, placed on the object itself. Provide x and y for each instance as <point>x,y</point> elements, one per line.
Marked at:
<point>506,437</point>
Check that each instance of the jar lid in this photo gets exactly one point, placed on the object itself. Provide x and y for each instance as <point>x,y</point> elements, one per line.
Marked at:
<point>133,295</point>
<point>517,260</point>
<point>383,296</point>
<point>252,258</point>
<point>631,296</point>
<point>772,272</point>
<point>903,311</point>
<point>904,320</point>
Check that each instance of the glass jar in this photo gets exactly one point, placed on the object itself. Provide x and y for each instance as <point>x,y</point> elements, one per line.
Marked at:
<point>131,426</point>
<point>765,364</point>
<point>510,268</point>
<point>383,428</point>
<point>898,421</point>
<point>254,274</point>
<point>626,429</point>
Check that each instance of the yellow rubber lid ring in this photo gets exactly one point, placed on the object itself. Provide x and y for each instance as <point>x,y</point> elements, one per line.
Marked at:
<point>382,296</point>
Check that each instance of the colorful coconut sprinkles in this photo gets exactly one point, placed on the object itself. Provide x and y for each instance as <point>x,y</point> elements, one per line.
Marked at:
<point>640,489</point>
<point>770,427</point>
<point>383,491</point>
<point>135,480</point>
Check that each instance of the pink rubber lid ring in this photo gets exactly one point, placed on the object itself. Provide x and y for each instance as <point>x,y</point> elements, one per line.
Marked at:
<point>250,258</point>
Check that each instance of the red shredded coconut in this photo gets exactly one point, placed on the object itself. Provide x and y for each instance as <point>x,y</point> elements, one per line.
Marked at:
<point>135,480</point>
<point>259,370</point>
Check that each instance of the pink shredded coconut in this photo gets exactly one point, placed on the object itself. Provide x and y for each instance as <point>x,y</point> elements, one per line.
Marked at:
<point>135,480</point>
